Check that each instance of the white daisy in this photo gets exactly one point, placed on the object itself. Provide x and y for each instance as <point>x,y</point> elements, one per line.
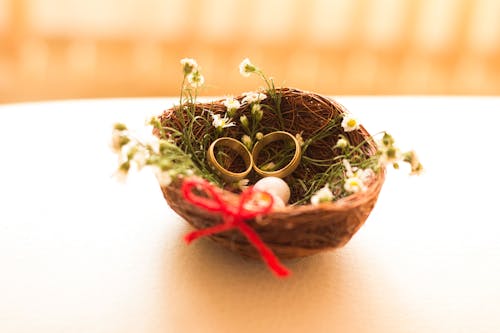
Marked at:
<point>163,177</point>
<point>195,79</point>
<point>122,172</point>
<point>253,97</point>
<point>139,156</point>
<point>121,176</point>
<point>118,140</point>
<point>322,195</point>
<point>247,68</point>
<point>342,142</point>
<point>354,184</point>
<point>412,159</point>
<point>244,121</point>
<point>366,175</point>
<point>390,155</point>
<point>386,141</point>
<point>243,183</point>
<point>189,65</point>
<point>247,141</point>
<point>231,104</point>
<point>347,166</point>
<point>255,108</point>
<point>349,123</point>
<point>221,122</point>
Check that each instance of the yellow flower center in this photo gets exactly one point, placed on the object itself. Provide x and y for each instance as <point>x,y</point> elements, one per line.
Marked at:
<point>351,122</point>
<point>354,183</point>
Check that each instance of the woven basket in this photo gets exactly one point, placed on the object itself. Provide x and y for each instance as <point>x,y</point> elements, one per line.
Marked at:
<point>295,230</point>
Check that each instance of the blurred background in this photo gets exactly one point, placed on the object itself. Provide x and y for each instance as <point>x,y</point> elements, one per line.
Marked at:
<point>58,49</point>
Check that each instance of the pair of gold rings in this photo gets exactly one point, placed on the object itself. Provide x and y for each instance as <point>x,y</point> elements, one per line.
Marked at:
<point>249,158</point>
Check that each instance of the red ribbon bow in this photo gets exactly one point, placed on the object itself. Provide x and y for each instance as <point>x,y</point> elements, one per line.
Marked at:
<point>233,217</point>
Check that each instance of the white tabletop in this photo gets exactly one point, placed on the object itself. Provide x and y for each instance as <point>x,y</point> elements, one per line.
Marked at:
<point>80,252</point>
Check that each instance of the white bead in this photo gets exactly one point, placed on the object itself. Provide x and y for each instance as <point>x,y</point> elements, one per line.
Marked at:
<point>275,186</point>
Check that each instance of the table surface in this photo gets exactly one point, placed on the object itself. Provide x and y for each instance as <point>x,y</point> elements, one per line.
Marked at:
<point>80,252</point>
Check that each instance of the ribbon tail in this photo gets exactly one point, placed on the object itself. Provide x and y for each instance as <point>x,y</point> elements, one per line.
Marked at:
<point>267,255</point>
<point>208,231</point>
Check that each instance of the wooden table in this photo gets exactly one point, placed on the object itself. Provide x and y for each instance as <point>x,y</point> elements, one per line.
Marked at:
<point>80,252</point>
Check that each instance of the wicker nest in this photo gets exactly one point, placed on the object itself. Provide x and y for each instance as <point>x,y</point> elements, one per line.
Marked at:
<point>295,230</point>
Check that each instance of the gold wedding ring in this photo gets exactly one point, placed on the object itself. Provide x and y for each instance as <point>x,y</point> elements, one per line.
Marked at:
<point>239,148</point>
<point>272,137</point>
<point>250,159</point>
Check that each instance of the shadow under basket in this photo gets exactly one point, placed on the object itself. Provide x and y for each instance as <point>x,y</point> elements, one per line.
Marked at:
<point>295,230</point>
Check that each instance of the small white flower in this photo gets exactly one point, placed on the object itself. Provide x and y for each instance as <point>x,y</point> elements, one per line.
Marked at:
<point>247,68</point>
<point>255,108</point>
<point>153,145</point>
<point>386,141</point>
<point>342,142</point>
<point>231,104</point>
<point>220,123</point>
<point>322,195</point>
<point>244,121</point>
<point>140,158</point>
<point>257,112</point>
<point>356,179</point>
<point>354,184</point>
<point>115,141</point>
<point>118,140</point>
<point>247,141</point>
<point>243,184</point>
<point>148,139</point>
<point>347,166</point>
<point>164,178</point>
<point>258,115</point>
<point>366,175</point>
<point>390,155</point>
<point>349,123</point>
<point>189,65</point>
<point>122,172</point>
<point>253,97</point>
<point>412,158</point>
<point>195,79</point>
<point>121,176</point>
